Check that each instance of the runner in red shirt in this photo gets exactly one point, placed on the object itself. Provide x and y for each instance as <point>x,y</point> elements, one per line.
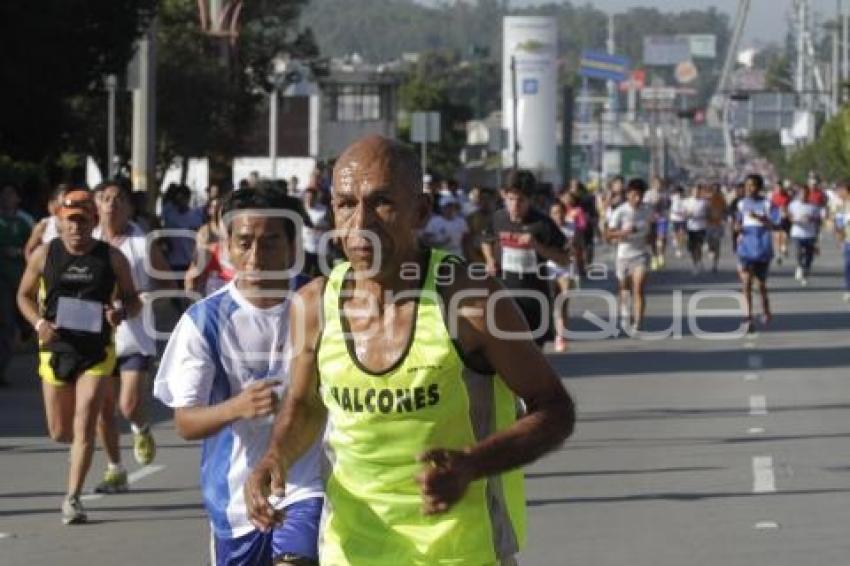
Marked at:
<point>780,198</point>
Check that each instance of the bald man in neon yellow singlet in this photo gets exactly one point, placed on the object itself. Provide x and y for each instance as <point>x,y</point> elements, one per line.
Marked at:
<point>416,366</point>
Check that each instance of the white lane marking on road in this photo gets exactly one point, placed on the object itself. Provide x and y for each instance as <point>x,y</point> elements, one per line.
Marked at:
<point>131,479</point>
<point>756,430</point>
<point>751,377</point>
<point>758,405</point>
<point>142,473</point>
<point>763,478</point>
<point>6,535</point>
<point>755,361</point>
<point>767,526</point>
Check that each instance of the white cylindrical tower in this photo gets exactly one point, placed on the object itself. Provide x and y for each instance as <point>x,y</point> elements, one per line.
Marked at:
<point>531,43</point>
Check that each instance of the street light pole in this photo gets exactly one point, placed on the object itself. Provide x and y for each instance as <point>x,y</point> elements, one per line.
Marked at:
<point>601,145</point>
<point>144,117</point>
<point>111,85</point>
<point>273,131</point>
<point>515,104</point>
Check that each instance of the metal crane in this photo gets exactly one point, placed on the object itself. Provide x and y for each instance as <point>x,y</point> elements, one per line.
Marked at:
<point>716,108</point>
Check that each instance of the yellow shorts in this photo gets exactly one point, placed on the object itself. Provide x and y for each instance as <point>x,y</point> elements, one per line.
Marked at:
<point>102,369</point>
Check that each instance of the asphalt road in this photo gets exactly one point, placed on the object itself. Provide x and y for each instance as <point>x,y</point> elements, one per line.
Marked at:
<point>698,450</point>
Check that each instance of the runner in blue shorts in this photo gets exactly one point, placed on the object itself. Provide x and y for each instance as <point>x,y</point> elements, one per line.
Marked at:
<point>224,370</point>
<point>755,245</point>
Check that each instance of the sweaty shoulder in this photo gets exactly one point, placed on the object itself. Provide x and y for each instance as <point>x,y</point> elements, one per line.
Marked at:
<point>306,314</point>
<point>465,289</point>
<point>39,257</point>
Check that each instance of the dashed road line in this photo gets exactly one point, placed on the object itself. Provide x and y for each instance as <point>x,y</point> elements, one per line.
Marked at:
<point>763,478</point>
<point>758,405</point>
<point>132,478</point>
<point>755,361</point>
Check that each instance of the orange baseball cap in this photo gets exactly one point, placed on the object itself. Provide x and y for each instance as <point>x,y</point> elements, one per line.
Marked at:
<point>77,202</point>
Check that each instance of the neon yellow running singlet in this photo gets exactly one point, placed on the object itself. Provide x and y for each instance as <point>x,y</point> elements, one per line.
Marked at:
<point>380,423</point>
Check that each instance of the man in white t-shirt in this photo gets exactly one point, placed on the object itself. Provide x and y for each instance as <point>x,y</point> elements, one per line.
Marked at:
<point>678,219</point>
<point>447,229</point>
<point>224,371</point>
<point>697,214</point>
<point>135,346</point>
<point>631,225</point>
<point>806,219</point>
<point>312,235</point>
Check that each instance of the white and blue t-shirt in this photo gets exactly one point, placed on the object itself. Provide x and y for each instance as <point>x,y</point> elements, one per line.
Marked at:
<point>750,208</point>
<point>221,345</point>
<point>756,243</point>
<point>805,219</point>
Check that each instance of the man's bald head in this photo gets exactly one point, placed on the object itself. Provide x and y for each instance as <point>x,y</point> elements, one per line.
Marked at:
<point>377,152</point>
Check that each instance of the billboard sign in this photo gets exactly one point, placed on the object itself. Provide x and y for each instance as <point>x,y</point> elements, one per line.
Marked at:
<point>665,50</point>
<point>603,66</point>
<point>703,46</point>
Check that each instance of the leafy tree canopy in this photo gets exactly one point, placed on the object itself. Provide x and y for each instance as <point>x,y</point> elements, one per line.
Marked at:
<point>52,51</point>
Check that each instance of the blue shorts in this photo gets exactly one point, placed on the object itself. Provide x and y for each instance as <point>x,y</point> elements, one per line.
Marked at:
<point>758,269</point>
<point>662,227</point>
<point>134,362</point>
<point>297,537</point>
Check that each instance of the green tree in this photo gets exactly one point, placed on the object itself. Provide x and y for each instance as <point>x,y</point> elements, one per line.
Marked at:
<point>208,89</point>
<point>435,85</point>
<point>829,154</point>
<point>53,51</point>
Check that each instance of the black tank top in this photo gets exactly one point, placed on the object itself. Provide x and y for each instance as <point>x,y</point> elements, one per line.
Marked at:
<point>88,277</point>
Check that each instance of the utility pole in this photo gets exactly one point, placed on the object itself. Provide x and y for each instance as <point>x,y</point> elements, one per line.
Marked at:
<point>836,77</point>
<point>601,146</point>
<point>515,104</point>
<point>144,116</point>
<point>800,79</point>
<point>567,134</point>
<point>612,87</point>
<point>273,101</point>
<point>111,84</point>
<point>424,145</point>
<point>845,41</point>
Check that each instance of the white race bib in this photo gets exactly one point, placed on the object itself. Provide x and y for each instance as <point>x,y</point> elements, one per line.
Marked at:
<point>77,314</point>
<point>519,260</point>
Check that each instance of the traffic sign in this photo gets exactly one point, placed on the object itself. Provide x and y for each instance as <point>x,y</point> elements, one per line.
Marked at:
<point>635,81</point>
<point>658,93</point>
<point>425,127</point>
<point>686,72</point>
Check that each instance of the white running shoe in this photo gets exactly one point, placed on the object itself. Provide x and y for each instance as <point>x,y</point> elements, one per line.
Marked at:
<point>798,274</point>
<point>72,511</point>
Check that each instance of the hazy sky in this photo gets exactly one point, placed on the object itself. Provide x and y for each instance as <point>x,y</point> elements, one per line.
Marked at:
<point>768,20</point>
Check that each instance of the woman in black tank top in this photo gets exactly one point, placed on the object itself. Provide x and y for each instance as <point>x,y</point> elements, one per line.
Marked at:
<point>80,277</point>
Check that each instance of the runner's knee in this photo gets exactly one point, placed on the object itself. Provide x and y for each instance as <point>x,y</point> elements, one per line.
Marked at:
<point>129,405</point>
<point>60,433</point>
